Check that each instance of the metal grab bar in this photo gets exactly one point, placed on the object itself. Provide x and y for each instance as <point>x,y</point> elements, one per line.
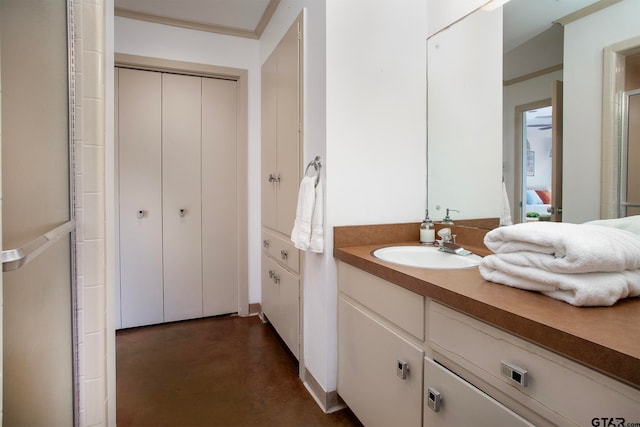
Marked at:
<point>13,259</point>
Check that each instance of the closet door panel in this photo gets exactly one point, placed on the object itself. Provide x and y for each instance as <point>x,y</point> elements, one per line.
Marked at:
<point>181,171</point>
<point>219,197</point>
<point>288,129</point>
<point>140,163</point>
<point>269,167</point>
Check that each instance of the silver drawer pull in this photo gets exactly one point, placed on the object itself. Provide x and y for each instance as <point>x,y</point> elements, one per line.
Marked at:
<point>433,399</point>
<point>276,279</point>
<point>140,213</point>
<point>284,254</point>
<point>402,369</point>
<point>266,243</point>
<point>514,373</point>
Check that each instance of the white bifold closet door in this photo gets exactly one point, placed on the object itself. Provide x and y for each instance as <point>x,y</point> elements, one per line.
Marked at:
<point>139,101</point>
<point>177,164</point>
<point>181,203</point>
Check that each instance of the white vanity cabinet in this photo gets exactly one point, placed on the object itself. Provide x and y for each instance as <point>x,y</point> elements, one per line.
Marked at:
<point>543,386</point>
<point>483,375</point>
<point>380,334</point>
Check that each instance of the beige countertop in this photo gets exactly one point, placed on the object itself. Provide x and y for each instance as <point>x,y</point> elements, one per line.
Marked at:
<point>604,338</point>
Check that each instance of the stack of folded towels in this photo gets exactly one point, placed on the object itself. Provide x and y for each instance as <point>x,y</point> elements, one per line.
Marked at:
<point>591,264</point>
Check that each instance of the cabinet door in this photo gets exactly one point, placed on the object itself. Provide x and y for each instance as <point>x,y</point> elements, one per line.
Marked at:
<point>288,128</point>
<point>368,357</point>
<point>269,290</point>
<point>140,210</point>
<point>219,198</point>
<point>181,128</point>
<point>461,404</point>
<point>289,299</point>
<point>269,115</point>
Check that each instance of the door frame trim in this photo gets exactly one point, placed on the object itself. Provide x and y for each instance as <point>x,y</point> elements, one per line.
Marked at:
<point>612,93</point>
<point>241,77</point>
<point>518,195</point>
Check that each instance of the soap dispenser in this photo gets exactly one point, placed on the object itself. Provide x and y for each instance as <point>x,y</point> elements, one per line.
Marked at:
<point>427,230</point>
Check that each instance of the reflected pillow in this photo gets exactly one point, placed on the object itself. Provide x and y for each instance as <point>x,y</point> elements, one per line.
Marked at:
<point>545,196</point>
<point>533,198</point>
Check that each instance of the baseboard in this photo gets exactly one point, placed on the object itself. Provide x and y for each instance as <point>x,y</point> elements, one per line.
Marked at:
<point>328,401</point>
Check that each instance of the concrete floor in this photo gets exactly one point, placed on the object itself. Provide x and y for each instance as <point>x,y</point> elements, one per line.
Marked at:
<point>219,371</point>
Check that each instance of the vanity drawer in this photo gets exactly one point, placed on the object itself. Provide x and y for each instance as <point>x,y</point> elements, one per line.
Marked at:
<point>451,401</point>
<point>555,387</point>
<point>396,304</point>
<point>282,250</point>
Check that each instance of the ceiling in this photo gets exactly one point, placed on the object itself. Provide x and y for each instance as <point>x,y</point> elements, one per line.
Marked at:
<point>243,18</point>
<point>524,19</point>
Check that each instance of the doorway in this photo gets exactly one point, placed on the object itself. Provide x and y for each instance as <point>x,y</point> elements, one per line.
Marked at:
<point>538,159</point>
<point>211,203</point>
<point>533,161</point>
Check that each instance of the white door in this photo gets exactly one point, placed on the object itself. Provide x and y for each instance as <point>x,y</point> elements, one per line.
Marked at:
<point>178,196</point>
<point>37,358</point>
<point>139,115</point>
<point>181,201</point>
<point>219,197</point>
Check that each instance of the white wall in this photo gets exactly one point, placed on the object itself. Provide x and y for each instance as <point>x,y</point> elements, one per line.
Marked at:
<point>376,124</point>
<point>365,114</point>
<point>161,41</point>
<point>584,42</point>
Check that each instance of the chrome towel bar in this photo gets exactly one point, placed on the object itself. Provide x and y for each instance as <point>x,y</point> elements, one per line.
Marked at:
<point>13,259</point>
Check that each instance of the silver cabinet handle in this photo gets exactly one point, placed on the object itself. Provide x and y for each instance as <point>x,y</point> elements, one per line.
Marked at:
<point>276,279</point>
<point>514,373</point>
<point>182,212</point>
<point>266,243</point>
<point>284,254</point>
<point>140,213</point>
<point>13,259</point>
<point>402,369</point>
<point>434,399</point>
<point>274,178</point>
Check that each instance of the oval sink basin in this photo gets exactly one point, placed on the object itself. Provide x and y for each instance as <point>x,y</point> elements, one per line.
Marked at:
<point>425,257</point>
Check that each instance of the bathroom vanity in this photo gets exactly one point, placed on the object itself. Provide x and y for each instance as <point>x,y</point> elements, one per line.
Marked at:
<point>445,347</point>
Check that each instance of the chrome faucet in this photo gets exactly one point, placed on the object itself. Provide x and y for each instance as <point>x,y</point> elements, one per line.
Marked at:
<point>447,243</point>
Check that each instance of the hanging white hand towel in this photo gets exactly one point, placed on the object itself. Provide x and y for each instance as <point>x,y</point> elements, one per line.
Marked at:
<point>301,233</point>
<point>317,227</point>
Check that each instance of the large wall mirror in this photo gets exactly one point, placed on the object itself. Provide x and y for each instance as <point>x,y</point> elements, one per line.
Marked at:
<point>475,137</point>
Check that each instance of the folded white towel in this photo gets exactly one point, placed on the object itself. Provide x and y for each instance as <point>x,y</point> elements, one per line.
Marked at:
<point>582,289</point>
<point>307,230</point>
<point>317,222</point>
<point>629,223</point>
<point>565,247</point>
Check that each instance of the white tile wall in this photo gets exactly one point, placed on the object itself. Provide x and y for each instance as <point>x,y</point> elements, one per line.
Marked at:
<point>89,137</point>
